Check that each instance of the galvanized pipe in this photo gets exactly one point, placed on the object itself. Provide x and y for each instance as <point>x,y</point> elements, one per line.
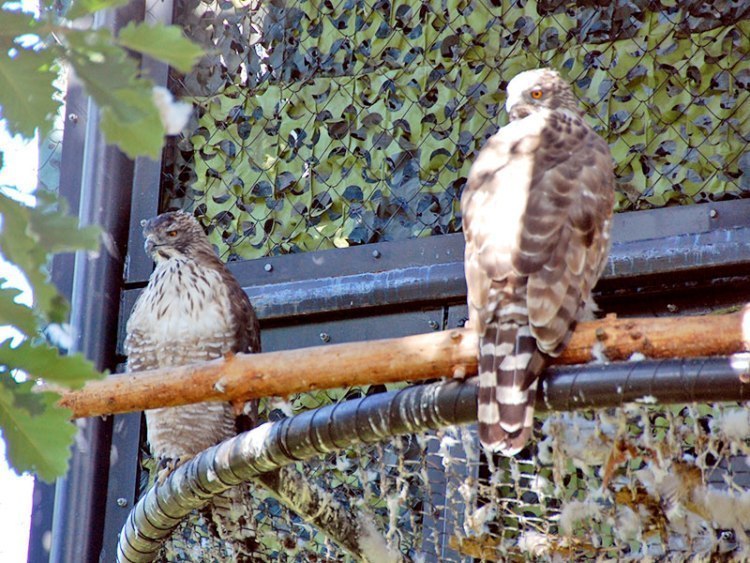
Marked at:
<point>410,410</point>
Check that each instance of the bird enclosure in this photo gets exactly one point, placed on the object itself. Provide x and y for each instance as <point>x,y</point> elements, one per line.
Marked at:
<point>326,158</point>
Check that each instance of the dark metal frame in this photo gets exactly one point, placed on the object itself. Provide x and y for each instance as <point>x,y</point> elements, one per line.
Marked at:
<point>662,260</point>
<point>71,519</point>
<point>700,243</point>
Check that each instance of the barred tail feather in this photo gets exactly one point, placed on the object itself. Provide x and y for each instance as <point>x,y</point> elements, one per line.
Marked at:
<point>509,368</point>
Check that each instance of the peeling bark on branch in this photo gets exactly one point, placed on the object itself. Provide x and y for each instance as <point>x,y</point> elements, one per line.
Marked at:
<point>411,358</point>
<point>660,338</point>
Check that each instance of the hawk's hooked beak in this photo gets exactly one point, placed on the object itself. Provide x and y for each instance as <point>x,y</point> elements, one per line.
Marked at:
<point>157,251</point>
<point>518,111</point>
<point>149,245</point>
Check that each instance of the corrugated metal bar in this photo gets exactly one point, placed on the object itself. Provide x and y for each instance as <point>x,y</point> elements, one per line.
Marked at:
<point>703,380</point>
<point>411,410</point>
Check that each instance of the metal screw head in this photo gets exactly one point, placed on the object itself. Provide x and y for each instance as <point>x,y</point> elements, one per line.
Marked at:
<point>268,268</point>
<point>123,502</point>
<point>433,325</point>
<point>713,213</point>
<point>376,254</point>
<point>325,337</point>
<point>73,117</point>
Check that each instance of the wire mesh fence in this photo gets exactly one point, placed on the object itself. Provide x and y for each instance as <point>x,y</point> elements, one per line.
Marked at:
<point>333,123</point>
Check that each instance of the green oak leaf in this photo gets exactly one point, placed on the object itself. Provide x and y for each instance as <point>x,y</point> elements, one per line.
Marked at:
<point>38,442</point>
<point>135,138</point>
<point>129,117</point>
<point>166,43</point>
<point>20,245</point>
<point>40,360</point>
<point>15,23</point>
<point>29,235</point>
<point>104,68</point>
<point>15,314</point>
<point>28,96</point>
<point>58,232</point>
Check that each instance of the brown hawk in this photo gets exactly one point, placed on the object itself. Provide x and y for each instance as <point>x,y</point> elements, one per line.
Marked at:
<point>537,212</point>
<point>193,310</point>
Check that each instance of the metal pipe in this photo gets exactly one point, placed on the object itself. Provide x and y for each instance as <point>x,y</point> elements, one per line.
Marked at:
<point>704,380</point>
<point>273,445</point>
<point>410,410</point>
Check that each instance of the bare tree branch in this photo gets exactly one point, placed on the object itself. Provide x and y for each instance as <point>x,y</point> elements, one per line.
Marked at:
<point>411,358</point>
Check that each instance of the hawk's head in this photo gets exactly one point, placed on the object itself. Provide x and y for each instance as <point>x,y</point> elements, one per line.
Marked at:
<point>173,235</point>
<point>540,88</point>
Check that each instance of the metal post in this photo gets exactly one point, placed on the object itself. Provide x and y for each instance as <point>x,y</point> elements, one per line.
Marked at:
<point>105,188</point>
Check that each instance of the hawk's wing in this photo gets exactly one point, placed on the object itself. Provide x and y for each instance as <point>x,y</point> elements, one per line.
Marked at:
<point>538,204</point>
<point>573,182</point>
<point>247,335</point>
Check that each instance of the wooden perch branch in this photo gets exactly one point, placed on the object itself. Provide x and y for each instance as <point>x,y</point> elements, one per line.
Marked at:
<point>411,358</point>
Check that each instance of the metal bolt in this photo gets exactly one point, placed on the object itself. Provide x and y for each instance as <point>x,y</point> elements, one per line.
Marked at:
<point>713,213</point>
<point>433,325</point>
<point>672,308</point>
<point>123,502</point>
<point>268,268</point>
<point>376,254</point>
<point>73,117</point>
<point>325,337</point>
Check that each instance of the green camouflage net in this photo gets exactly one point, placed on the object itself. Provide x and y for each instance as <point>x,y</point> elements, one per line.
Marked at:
<point>333,123</point>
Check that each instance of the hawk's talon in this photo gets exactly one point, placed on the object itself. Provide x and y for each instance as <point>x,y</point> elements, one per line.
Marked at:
<point>166,467</point>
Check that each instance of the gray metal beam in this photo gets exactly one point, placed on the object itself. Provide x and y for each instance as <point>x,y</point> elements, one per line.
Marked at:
<point>659,251</point>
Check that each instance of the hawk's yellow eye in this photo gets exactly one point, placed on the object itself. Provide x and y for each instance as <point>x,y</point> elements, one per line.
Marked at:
<point>172,234</point>
<point>536,94</point>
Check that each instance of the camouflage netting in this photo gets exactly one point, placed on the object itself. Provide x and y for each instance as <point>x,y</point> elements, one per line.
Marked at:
<point>327,124</point>
<point>639,482</point>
